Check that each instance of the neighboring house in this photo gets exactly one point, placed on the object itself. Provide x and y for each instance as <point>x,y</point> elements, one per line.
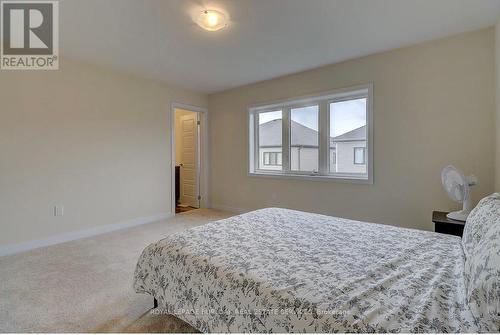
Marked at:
<point>347,151</point>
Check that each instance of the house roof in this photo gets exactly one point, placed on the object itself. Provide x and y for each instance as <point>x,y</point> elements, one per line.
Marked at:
<point>270,135</point>
<point>358,134</point>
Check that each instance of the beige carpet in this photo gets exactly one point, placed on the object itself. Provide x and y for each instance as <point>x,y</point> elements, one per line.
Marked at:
<point>86,285</point>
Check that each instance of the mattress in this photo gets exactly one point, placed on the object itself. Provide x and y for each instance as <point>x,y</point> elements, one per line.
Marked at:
<point>279,270</point>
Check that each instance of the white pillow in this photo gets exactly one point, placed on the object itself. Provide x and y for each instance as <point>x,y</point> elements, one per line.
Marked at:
<point>480,219</point>
<point>482,265</point>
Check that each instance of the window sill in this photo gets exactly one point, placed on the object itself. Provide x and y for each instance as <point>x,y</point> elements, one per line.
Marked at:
<point>335,178</point>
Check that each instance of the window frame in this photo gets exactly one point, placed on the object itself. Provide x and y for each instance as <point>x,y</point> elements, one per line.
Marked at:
<point>323,100</point>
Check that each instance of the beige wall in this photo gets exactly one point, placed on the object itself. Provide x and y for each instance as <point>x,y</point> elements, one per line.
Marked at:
<point>497,66</point>
<point>433,105</point>
<point>90,139</point>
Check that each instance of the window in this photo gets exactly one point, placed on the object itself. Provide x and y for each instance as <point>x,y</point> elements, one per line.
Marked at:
<point>272,158</point>
<point>348,135</point>
<point>304,149</point>
<point>324,136</point>
<point>359,155</point>
<point>270,138</point>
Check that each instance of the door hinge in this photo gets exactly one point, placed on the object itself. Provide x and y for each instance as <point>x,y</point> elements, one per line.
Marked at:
<point>199,197</point>
<point>198,122</point>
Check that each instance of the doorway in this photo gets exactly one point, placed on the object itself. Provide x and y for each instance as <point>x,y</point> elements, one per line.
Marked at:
<point>187,157</point>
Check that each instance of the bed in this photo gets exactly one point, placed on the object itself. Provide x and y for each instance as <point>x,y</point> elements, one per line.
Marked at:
<point>279,270</point>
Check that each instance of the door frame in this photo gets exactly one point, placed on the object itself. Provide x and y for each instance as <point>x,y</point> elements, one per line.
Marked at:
<point>202,152</point>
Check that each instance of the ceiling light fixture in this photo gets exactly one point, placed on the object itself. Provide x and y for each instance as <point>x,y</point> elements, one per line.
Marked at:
<point>212,20</point>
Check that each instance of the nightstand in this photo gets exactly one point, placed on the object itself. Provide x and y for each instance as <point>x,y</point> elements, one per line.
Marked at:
<point>444,225</point>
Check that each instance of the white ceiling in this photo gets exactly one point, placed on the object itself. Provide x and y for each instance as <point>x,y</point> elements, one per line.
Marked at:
<point>157,39</point>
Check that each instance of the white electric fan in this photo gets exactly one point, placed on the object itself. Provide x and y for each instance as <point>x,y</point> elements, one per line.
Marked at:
<point>458,186</point>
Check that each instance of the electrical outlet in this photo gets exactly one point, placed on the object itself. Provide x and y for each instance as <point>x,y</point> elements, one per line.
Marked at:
<point>58,210</point>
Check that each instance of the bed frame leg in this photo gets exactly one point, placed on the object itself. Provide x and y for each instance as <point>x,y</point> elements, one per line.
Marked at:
<point>155,303</point>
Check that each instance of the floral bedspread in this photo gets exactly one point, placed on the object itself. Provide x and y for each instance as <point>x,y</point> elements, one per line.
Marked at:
<point>279,270</point>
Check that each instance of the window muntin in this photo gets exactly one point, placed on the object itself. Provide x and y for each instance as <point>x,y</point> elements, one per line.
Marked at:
<point>335,116</point>
<point>304,138</point>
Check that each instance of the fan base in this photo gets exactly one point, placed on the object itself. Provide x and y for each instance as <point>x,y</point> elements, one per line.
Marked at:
<point>458,215</point>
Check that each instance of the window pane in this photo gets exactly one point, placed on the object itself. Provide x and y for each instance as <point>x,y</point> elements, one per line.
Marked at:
<point>266,158</point>
<point>359,155</point>
<point>304,151</point>
<point>347,132</point>
<point>270,139</point>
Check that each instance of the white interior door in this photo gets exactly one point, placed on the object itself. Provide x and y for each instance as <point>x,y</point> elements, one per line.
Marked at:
<point>189,175</point>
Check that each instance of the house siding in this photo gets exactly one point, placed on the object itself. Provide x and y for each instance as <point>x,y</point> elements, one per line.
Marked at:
<point>306,158</point>
<point>345,157</point>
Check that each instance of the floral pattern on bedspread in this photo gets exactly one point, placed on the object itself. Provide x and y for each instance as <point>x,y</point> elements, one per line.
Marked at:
<point>279,270</point>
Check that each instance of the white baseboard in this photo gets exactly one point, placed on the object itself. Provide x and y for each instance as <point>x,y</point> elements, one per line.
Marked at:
<point>75,235</point>
<point>229,209</point>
